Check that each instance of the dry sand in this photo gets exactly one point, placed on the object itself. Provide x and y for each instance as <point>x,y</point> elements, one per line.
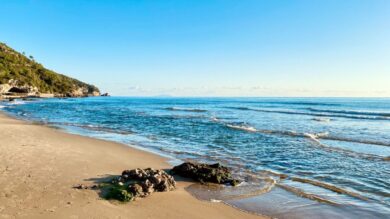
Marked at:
<point>39,165</point>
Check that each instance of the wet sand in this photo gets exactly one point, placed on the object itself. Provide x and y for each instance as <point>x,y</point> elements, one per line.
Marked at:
<point>40,165</point>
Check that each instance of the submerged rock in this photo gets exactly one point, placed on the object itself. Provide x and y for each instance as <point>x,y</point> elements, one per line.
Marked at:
<point>205,173</point>
<point>140,183</point>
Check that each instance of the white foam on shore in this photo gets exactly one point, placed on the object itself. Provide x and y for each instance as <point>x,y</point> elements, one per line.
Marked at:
<point>215,200</point>
<point>17,102</point>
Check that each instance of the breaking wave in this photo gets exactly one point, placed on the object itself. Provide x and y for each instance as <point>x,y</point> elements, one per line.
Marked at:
<point>313,136</point>
<point>16,102</point>
<point>215,119</point>
<point>316,137</point>
<point>242,127</point>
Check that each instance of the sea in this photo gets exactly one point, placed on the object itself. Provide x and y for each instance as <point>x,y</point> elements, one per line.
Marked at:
<point>297,157</point>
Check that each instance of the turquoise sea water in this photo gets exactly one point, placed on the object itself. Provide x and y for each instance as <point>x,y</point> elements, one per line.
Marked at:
<point>299,157</point>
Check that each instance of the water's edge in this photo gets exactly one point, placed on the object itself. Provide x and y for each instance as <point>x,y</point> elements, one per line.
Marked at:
<point>172,161</point>
<point>303,162</point>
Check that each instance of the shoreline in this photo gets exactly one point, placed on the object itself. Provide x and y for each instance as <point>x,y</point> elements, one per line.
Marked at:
<point>40,165</point>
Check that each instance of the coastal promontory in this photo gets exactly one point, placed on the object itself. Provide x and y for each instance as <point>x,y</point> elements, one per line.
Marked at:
<point>22,76</point>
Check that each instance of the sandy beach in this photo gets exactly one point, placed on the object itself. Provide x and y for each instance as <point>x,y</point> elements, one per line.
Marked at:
<point>39,166</point>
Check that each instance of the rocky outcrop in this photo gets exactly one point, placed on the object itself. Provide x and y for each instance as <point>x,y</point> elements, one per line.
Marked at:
<point>205,173</point>
<point>94,94</point>
<point>4,88</point>
<point>139,183</point>
<point>15,89</point>
<point>22,76</point>
<point>82,92</point>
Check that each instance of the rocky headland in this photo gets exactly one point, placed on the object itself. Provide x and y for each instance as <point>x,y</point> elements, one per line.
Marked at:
<point>22,76</point>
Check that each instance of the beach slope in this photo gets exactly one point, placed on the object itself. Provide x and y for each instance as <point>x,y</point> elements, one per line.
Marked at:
<point>40,165</point>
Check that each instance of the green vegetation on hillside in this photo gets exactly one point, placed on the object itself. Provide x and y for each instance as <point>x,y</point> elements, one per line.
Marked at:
<point>16,66</point>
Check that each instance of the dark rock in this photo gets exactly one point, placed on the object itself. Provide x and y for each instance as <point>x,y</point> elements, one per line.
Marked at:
<point>94,187</point>
<point>205,173</point>
<point>18,90</point>
<point>141,183</point>
<point>136,190</point>
<point>235,182</point>
<point>156,179</point>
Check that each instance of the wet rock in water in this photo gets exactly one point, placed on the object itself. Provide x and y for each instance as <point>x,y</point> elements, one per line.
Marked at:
<point>205,173</point>
<point>140,183</point>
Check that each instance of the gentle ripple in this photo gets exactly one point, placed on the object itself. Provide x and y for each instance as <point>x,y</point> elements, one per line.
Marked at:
<point>337,150</point>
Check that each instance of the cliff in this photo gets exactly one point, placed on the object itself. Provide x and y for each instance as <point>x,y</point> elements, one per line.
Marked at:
<point>23,76</point>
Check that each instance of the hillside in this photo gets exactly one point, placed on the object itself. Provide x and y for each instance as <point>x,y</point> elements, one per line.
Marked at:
<point>20,75</point>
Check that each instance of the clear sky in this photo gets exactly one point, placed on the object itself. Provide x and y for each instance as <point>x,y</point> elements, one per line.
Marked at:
<point>209,47</point>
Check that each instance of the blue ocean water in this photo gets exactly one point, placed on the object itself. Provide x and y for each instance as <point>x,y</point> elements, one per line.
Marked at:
<point>333,153</point>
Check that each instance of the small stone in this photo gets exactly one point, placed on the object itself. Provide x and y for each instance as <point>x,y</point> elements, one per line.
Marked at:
<point>80,186</point>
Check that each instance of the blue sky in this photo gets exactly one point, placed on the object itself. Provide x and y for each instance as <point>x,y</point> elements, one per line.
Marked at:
<point>209,47</point>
